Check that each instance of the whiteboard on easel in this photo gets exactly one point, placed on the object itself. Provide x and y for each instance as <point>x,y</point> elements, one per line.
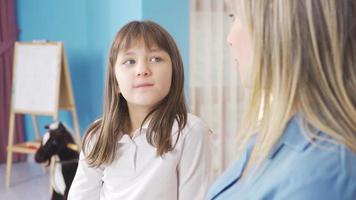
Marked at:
<point>36,80</point>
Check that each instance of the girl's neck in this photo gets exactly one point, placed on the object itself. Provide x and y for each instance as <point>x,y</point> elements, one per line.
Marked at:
<point>137,115</point>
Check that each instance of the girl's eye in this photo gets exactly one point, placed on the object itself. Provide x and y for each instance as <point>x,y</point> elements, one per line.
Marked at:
<point>129,62</point>
<point>155,59</point>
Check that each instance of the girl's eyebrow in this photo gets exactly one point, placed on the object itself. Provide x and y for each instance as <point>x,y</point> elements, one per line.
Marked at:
<point>151,50</point>
<point>129,53</point>
<point>155,49</point>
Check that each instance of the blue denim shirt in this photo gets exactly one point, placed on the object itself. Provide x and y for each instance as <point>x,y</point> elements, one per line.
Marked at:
<point>295,170</point>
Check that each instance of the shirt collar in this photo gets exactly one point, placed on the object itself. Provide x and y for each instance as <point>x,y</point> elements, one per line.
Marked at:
<point>142,129</point>
<point>293,136</point>
<point>145,125</point>
<point>138,132</point>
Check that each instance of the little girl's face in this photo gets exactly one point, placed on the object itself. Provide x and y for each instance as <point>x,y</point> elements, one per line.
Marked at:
<point>143,74</point>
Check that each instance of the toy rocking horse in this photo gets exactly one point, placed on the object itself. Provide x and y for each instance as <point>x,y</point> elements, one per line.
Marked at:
<point>58,142</point>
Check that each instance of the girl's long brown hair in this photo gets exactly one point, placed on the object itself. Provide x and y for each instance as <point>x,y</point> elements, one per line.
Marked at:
<point>101,139</point>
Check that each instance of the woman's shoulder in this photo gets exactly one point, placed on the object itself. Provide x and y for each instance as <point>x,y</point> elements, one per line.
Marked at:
<point>327,160</point>
<point>318,166</point>
<point>312,147</point>
<point>325,157</point>
<point>338,161</point>
<point>348,160</point>
<point>327,172</point>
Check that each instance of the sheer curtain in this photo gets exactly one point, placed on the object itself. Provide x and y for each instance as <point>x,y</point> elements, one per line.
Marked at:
<point>214,80</point>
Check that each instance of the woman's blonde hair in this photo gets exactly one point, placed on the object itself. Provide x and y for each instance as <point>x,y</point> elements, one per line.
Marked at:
<point>103,135</point>
<point>304,61</point>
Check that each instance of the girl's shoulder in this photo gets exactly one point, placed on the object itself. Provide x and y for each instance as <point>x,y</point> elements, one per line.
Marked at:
<point>91,136</point>
<point>195,128</point>
<point>193,120</point>
<point>195,123</point>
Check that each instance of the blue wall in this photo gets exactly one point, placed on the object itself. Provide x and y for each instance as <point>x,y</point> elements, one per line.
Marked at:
<point>87,29</point>
<point>173,15</point>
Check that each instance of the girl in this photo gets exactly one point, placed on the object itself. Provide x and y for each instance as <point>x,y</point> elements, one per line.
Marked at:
<point>298,136</point>
<point>145,146</point>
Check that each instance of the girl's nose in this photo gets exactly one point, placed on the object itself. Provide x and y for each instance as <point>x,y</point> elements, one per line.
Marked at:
<point>143,70</point>
<point>144,73</point>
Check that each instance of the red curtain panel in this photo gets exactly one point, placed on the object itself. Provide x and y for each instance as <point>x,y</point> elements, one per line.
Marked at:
<point>8,36</point>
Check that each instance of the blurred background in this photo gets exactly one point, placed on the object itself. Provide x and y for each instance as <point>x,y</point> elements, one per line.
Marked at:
<point>87,27</point>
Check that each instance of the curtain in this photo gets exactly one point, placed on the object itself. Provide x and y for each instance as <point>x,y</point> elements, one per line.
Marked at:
<point>214,80</point>
<point>8,35</point>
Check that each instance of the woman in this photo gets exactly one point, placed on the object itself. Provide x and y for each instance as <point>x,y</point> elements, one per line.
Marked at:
<point>298,135</point>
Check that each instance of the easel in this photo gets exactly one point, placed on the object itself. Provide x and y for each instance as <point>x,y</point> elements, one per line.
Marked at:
<point>62,91</point>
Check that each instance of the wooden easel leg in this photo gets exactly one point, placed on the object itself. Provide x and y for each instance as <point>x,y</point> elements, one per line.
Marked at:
<point>9,149</point>
<point>8,168</point>
<point>35,126</point>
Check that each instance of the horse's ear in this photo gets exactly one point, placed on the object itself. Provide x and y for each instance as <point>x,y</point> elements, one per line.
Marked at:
<point>61,126</point>
<point>46,126</point>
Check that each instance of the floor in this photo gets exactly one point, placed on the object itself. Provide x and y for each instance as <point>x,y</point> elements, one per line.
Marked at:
<point>29,181</point>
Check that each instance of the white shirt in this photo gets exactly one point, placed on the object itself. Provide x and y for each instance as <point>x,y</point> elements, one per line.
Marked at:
<point>138,173</point>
